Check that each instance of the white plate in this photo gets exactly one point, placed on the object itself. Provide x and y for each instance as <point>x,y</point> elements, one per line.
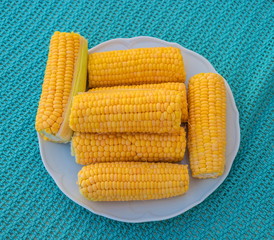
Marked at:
<point>63,169</point>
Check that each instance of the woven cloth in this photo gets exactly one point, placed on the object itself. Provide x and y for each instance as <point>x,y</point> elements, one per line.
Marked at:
<point>235,36</point>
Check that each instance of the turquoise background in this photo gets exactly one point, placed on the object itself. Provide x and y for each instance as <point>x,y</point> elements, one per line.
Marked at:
<point>235,36</point>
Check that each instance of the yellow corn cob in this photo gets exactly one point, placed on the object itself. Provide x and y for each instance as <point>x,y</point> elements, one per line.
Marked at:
<point>93,147</point>
<point>126,181</point>
<point>65,76</point>
<point>169,86</point>
<point>136,66</point>
<point>154,111</point>
<point>207,125</point>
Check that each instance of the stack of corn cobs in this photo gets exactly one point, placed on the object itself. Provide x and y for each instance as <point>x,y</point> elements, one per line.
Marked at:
<point>127,124</point>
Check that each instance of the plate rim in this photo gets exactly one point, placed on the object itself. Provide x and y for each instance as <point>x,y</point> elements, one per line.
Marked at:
<point>57,180</point>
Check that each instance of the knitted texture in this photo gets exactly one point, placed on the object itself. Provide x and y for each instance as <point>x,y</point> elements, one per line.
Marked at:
<point>235,36</point>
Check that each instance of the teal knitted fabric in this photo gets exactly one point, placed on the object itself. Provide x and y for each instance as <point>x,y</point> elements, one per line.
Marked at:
<point>235,36</point>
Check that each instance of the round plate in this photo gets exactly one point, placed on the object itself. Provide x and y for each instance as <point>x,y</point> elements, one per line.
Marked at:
<point>63,169</point>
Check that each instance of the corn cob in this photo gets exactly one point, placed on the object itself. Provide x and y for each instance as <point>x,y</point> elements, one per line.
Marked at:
<point>154,111</point>
<point>169,86</point>
<point>207,125</point>
<point>136,66</point>
<point>65,76</point>
<point>124,181</point>
<point>92,147</point>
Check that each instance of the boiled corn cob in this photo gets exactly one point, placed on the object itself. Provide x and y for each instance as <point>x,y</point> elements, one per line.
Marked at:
<point>124,181</point>
<point>65,76</point>
<point>93,147</point>
<point>154,111</point>
<point>207,125</point>
<point>169,86</point>
<point>136,66</point>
